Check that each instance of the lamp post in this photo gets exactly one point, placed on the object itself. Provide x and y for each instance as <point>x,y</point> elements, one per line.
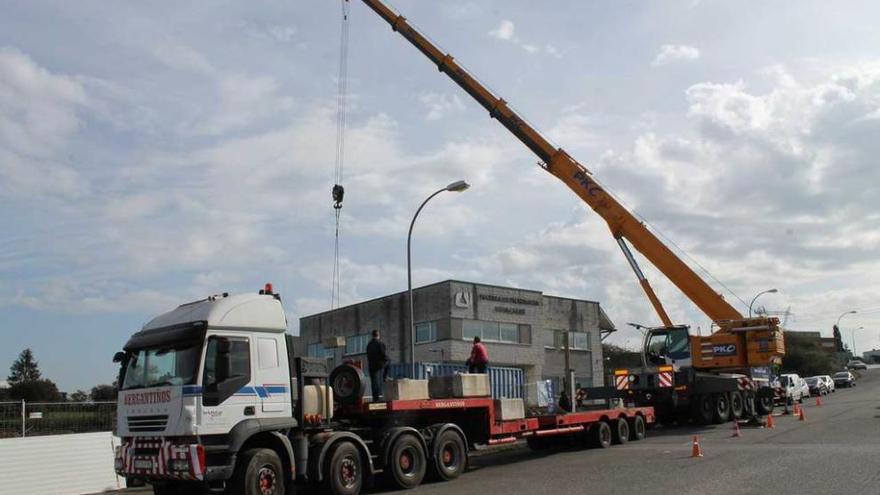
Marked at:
<point>854,341</point>
<point>769,291</point>
<point>842,315</point>
<point>457,186</point>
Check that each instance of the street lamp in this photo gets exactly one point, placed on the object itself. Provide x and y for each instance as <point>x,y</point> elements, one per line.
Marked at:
<point>842,315</point>
<point>770,291</point>
<point>457,186</point>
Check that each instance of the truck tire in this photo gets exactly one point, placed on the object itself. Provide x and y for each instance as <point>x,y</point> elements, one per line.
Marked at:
<point>721,413</point>
<point>406,464</point>
<point>600,435</point>
<point>764,405</point>
<point>620,432</point>
<point>343,471</point>
<point>704,409</point>
<point>449,457</point>
<point>737,405</point>
<point>259,472</point>
<point>637,428</point>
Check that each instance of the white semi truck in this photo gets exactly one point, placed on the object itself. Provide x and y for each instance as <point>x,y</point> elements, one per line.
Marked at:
<point>212,400</point>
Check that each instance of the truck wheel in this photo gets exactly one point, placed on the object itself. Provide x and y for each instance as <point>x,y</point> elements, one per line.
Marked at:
<point>705,409</point>
<point>620,433</point>
<point>764,405</point>
<point>259,472</point>
<point>601,435</point>
<point>737,405</point>
<point>407,462</point>
<point>344,473</point>
<point>722,408</point>
<point>637,429</point>
<point>450,456</point>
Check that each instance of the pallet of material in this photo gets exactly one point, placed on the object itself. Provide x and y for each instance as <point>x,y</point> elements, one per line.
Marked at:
<point>459,385</point>
<point>406,389</point>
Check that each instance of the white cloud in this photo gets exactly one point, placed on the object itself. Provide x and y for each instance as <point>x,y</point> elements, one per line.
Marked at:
<point>674,53</point>
<point>181,57</point>
<point>439,105</point>
<point>244,100</point>
<point>504,31</point>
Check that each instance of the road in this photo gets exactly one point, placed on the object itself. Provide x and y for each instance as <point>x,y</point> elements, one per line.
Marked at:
<point>836,450</point>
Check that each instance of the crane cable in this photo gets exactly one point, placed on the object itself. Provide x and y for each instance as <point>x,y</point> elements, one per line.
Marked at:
<point>338,191</point>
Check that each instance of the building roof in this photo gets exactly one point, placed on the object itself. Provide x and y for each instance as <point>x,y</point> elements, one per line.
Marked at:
<point>254,311</point>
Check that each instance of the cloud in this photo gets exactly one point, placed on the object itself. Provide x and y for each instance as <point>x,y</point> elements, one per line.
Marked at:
<point>38,117</point>
<point>179,56</point>
<point>506,31</point>
<point>440,105</point>
<point>674,53</point>
<point>242,101</point>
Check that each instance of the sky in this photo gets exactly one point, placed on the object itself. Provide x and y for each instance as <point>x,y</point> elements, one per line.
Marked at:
<point>154,153</point>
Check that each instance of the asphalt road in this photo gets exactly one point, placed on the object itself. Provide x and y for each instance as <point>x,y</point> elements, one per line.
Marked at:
<point>836,450</point>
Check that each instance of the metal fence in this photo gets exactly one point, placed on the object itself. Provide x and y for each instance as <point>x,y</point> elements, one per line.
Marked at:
<point>24,419</point>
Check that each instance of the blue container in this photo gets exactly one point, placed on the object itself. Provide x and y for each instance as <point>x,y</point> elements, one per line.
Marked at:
<point>505,382</point>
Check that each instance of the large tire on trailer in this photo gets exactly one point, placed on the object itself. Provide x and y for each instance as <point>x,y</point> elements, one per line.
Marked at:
<point>407,463</point>
<point>721,412</point>
<point>449,456</point>
<point>704,409</point>
<point>737,405</point>
<point>600,435</point>
<point>620,432</point>
<point>638,429</point>
<point>348,384</point>
<point>259,472</point>
<point>343,470</point>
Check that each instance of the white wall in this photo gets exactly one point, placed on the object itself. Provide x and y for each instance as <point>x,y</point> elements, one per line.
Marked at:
<point>58,464</point>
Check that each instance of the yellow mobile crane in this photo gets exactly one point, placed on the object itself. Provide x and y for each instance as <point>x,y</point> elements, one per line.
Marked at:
<point>717,377</point>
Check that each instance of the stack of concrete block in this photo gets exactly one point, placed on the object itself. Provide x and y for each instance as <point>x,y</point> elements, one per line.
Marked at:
<point>507,409</point>
<point>459,385</point>
<point>406,389</point>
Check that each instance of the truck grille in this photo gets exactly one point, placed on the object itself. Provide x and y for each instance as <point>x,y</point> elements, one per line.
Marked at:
<point>147,423</point>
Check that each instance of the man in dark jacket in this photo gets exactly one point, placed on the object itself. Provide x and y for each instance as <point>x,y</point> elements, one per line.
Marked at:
<point>377,361</point>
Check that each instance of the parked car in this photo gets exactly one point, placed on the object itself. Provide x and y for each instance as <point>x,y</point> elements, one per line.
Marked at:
<point>829,383</point>
<point>844,379</point>
<point>855,364</point>
<point>792,388</point>
<point>817,385</point>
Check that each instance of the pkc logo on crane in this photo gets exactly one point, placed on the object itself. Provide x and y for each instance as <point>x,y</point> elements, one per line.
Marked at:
<point>724,350</point>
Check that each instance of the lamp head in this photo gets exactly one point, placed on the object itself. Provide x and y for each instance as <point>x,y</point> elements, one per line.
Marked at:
<point>458,186</point>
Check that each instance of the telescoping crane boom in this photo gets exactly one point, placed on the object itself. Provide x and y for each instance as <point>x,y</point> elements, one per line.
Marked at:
<point>623,224</point>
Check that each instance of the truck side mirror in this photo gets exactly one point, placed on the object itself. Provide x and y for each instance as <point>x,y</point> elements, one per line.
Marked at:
<point>119,357</point>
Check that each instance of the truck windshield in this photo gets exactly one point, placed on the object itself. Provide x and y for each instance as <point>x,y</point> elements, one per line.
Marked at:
<point>162,367</point>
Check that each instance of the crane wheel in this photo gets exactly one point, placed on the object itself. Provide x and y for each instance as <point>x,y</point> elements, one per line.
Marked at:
<point>704,409</point>
<point>721,408</point>
<point>737,405</point>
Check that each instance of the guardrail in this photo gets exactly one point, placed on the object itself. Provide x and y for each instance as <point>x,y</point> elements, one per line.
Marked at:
<point>24,419</point>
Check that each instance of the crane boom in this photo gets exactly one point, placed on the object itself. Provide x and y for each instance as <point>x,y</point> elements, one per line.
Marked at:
<point>623,224</point>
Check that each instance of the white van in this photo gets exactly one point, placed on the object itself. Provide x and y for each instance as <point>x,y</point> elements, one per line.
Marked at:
<point>794,388</point>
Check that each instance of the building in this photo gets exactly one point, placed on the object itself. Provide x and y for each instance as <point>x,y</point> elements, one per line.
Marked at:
<point>827,344</point>
<point>521,328</point>
<point>872,356</point>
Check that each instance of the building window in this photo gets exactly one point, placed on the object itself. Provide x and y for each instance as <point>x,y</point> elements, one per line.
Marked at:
<point>357,344</point>
<point>578,341</point>
<point>317,350</point>
<point>490,331</point>
<point>426,331</point>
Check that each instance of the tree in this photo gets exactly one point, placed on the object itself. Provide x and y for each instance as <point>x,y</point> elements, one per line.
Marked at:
<point>804,356</point>
<point>35,391</point>
<point>617,357</point>
<point>79,396</point>
<point>104,393</point>
<point>24,369</point>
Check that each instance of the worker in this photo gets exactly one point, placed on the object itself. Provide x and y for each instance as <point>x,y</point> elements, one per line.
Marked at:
<point>479,357</point>
<point>377,362</point>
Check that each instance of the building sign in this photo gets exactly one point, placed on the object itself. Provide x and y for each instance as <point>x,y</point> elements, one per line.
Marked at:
<point>511,311</point>
<point>462,299</point>
<point>510,300</point>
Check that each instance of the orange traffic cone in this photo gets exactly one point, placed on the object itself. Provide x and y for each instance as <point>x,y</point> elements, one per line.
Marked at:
<point>696,451</point>
<point>770,423</point>
<point>736,431</point>
<point>818,400</point>
<point>801,416</point>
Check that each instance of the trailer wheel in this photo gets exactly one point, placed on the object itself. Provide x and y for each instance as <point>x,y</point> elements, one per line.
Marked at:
<point>259,472</point>
<point>721,413</point>
<point>600,435</point>
<point>737,405</point>
<point>620,434</point>
<point>407,462</point>
<point>764,405</point>
<point>449,456</point>
<point>344,471</point>
<point>637,429</point>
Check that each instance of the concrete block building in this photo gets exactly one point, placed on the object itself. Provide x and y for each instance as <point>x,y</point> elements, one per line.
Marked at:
<point>521,328</point>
